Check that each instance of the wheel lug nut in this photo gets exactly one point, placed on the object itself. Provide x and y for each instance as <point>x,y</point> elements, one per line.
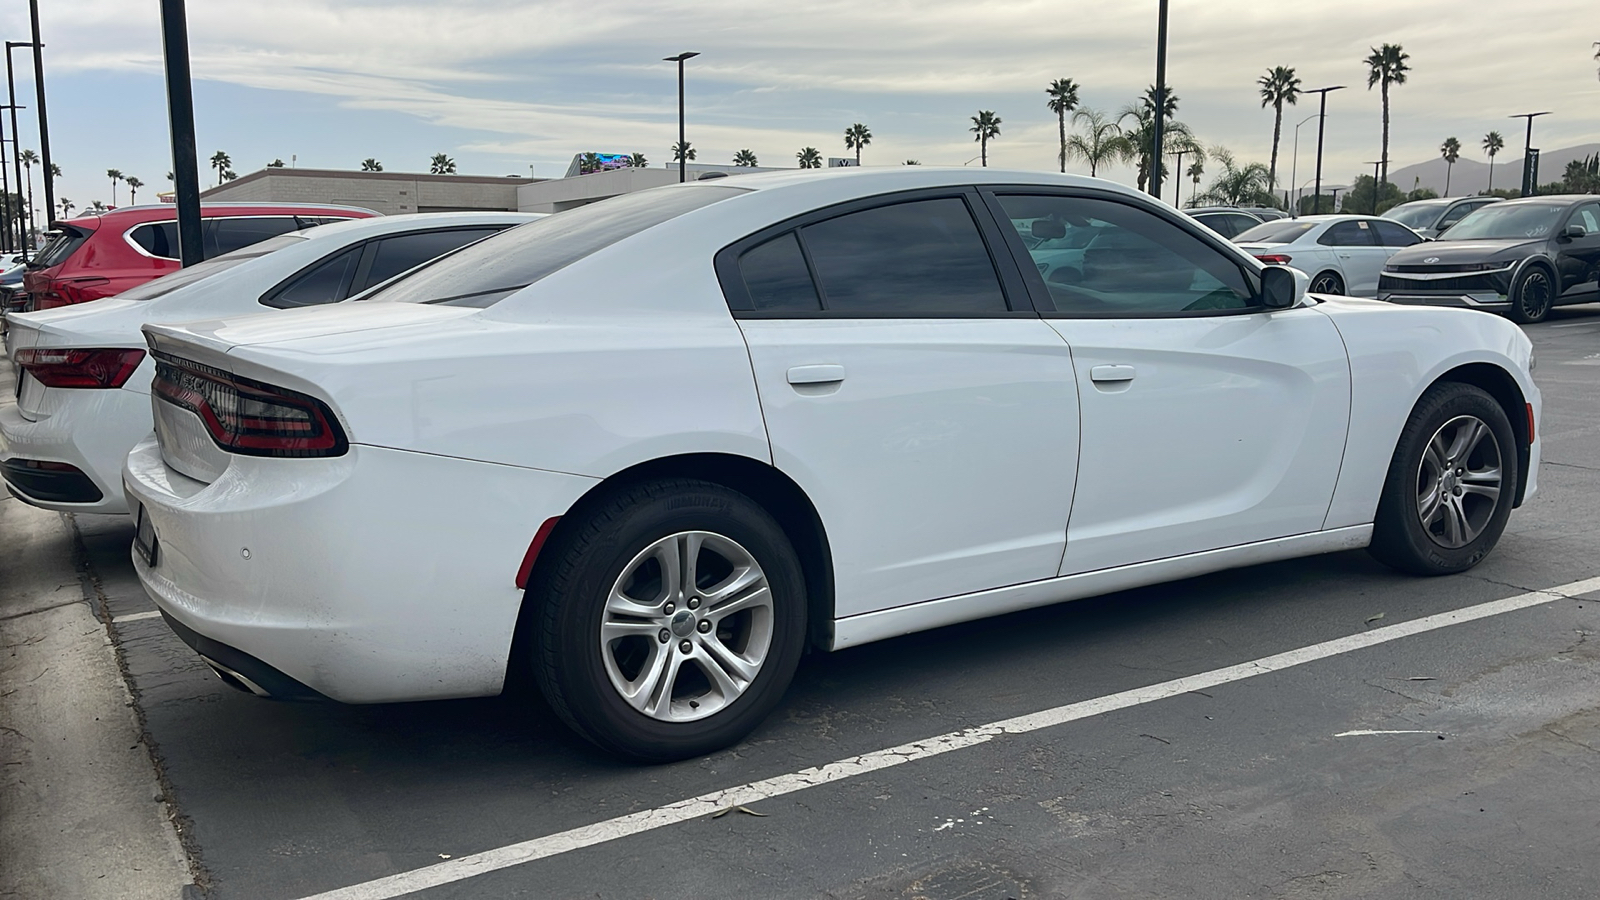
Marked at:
<point>694,602</point>
<point>686,647</point>
<point>704,626</point>
<point>668,609</point>
<point>665,635</point>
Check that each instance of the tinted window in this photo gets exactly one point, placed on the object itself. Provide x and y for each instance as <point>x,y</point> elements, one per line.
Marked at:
<point>229,235</point>
<point>1508,220</point>
<point>1392,235</point>
<point>407,251</point>
<point>1348,234</point>
<point>922,257</point>
<point>493,269</point>
<point>1135,263</point>
<point>775,274</point>
<point>325,282</point>
<point>166,284</point>
<point>1280,231</point>
<point>1421,215</point>
<point>157,239</point>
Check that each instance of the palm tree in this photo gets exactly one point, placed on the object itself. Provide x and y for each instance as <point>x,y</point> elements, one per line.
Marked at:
<point>97,207</point>
<point>1170,100</point>
<point>745,158</point>
<point>912,162</point>
<point>1451,151</point>
<point>67,206</point>
<point>371,164</point>
<point>133,188</point>
<point>28,158</point>
<point>638,161</point>
<point>1102,142</point>
<point>1063,94</point>
<point>1196,169</point>
<point>679,151</point>
<point>985,125</point>
<point>440,164</point>
<point>275,164</point>
<point>856,137</point>
<point>55,171</point>
<point>809,158</point>
<point>1141,138</point>
<point>222,163</point>
<point>115,175</point>
<point>1236,185</point>
<point>1493,143</point>
<point>1386,66</point>
<point>1279,86</point>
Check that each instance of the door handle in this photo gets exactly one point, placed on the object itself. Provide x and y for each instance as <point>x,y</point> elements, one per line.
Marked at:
<point>816,374</point>
<point>1104,374</point>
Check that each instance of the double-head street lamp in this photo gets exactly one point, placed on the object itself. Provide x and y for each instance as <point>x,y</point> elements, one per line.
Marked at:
<point>1294,168</point>
<point>1322,121</point>
<point>683,150</point>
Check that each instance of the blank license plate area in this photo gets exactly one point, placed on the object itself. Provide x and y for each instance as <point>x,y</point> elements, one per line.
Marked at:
<point>145,542</point>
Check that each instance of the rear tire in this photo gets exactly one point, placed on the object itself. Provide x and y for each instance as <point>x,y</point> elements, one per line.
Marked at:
<point>1327,283</point>
<point>1532,296</point>
<point>1451,484</point>
<point>670,621</point>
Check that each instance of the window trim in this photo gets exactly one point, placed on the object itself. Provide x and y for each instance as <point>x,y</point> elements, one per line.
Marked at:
<point>1250,268</point>
<point>737,296</point>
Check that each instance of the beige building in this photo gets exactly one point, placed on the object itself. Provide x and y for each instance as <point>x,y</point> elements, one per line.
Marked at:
<point>389,193</point>
<point>558,194</point>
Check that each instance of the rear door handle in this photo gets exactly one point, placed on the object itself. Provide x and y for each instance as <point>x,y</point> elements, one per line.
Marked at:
<point>816,374</point>
<point>1104,374</point>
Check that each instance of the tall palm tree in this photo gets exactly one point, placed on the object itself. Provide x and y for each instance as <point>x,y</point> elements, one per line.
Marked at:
<point>809,158</point>
<point>638,161</point>
<point>67,206</point>
<point>745,158</point>
<point>684,151</point>
<point>1451,151</point>
<point>1493,143</point>
<point>440,164</point>
<point>1101,143</point>
<point>1170,101</point>
<point>115,175</point>
<point>133,188</point>
<point>1279,86</point>
<point>222,163</point>
<point>1386,66</point>
<point>1063,94</point>
<point>371,164</point>
<point>856,137</point>
<point>55,171</point>
<point>28,158</point>
<point>985,125</point>
<point>1196,169</point>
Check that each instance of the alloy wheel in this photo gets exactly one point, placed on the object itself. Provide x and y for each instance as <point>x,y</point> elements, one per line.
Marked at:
<point>1327,283</point>
<point>1535,295</point>
<point>1459,482</point>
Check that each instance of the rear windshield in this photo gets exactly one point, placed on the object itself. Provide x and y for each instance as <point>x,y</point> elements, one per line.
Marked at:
<point>486,272</point>
<point>1415,215</point>
<point>58,245</point>
<point>1279,231</point>
<point>184,277</point>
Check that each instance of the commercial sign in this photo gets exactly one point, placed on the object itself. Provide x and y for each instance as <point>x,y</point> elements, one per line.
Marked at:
<point>1530,172</point>
<point>836,162</point>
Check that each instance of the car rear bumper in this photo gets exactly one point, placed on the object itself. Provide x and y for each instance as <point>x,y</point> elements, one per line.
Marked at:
<point>381,575</point>
<point>90,430</point>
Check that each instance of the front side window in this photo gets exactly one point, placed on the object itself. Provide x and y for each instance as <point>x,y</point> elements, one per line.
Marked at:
<point>1134,262</point>
<point>1348,234</point>
<point>230,234</point>
<point>1587,215</point>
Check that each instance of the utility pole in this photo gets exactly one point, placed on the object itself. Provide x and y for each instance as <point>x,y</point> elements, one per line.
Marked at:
<point>24,214</point>
<point>683,150</point>
<point>1322,120</point>
<point>1159,138</point>
<point>44,120</point>
<point>180,116</point>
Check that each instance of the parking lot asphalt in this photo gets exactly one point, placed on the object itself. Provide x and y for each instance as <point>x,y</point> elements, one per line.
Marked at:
<point>1460,761</point>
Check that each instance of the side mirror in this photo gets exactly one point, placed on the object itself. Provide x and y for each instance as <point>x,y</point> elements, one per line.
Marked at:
<point>1574,231</point>
<point>1280,289</point>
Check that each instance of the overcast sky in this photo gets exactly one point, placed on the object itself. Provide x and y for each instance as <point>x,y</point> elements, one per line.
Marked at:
<point>504,84</point>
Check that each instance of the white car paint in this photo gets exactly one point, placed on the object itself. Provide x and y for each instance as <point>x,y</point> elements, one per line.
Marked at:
<point>387,573</point>
<point>93,429</point>
<point>1357,266</point>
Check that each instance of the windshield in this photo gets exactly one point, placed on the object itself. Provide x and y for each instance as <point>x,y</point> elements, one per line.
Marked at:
<point>1280,231</point>
<point>492,269</point>
<point>1505,221</point>
<point>185,277</point>
<point>1415,215</point>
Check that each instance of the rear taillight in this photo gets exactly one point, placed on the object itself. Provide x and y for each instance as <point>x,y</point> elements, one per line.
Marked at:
<point>66,368</point>
<point>249,417</point>
<point>1273,259</point>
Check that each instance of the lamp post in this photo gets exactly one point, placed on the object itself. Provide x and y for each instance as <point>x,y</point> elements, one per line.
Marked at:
<point>1294,165</point>
<point>16,147</point>
<point>1158,138</point>
<point>5,192</point>
<point>683,151</point>
<point>1376,166</point>
<point>44,120</point>
<point>180,118</point>
<point>1177,179</point>
<point>1530,178</point>
<point>1322,121</point>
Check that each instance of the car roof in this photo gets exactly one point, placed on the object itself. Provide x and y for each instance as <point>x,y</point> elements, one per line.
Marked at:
<point>1551,199</point>
<point>866,181</point>
<point>378,225</point>
<point>158,212</point>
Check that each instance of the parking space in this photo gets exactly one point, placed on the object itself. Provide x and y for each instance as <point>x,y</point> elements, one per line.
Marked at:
<point>1458,761</point>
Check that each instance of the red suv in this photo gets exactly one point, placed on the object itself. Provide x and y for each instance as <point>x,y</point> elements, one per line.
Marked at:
<point>102,255</point>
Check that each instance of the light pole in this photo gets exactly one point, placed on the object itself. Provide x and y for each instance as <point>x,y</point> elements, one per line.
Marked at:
<point>16,147</point>
<point>683,151</point>
<point>1322,121</point>
<point>1530,179</point>
<point>44,120</point>
<point>1294,165</point>
<point>5,192</point>
<point>1177,179</point>
<point>1159,149</point>
<point>1376,166</point>
<point>180,118</point>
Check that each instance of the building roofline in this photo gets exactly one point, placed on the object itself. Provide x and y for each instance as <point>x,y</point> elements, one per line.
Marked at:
<point>285,171</point>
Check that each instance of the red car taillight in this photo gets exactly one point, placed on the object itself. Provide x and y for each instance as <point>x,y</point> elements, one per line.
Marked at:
<point>1274,259</point>
<point>249,417</point>
<point>67,368</point>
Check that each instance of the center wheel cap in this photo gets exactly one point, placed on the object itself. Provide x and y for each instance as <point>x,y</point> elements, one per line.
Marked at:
<point>683,623</point>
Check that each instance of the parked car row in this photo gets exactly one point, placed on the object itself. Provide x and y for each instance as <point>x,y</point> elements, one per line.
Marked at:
<point>649,451</point>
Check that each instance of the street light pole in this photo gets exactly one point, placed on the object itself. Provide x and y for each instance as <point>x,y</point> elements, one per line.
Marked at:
<point>1294,166</point>
<point>683,151</point>
<point>44,120</point>
<point>1159,150</point>
<point>1376,166</point>
<point>1530,180</point>
<point>1177,180</point>
<point>180,118</point>
<point>1322,121</point>
<point>25,214</point>
<point>5,192</point>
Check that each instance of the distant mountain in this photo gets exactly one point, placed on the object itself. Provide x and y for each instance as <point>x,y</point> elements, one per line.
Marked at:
<point>1471,174</point>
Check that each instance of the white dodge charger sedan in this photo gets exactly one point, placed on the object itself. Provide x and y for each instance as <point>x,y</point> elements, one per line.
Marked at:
<point>648,451</point>
<point>83,391</point>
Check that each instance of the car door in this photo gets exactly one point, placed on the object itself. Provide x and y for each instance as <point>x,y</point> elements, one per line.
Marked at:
<point>1360,257</point>
<point>1578,258</point>
<point>1207,420</point>
<point>913,394</point>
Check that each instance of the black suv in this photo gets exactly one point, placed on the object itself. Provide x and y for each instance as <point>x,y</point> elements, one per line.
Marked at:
<point>1520,257</point>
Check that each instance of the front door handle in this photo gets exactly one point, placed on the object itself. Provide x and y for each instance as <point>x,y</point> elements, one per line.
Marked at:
<point>1103,374</point>
<point>816,374</point>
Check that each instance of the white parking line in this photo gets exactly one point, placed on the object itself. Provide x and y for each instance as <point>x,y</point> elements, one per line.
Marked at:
<point>137,617</point>
<point>538,848</point>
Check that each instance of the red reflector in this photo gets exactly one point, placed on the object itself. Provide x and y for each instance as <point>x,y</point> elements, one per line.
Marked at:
<point>67,368</point>
<point>1530,424</point>
<point>528,558</point>
<point>1274,259</point>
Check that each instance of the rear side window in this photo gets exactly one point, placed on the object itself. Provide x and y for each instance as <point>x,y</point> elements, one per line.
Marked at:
<point>394,255</point>
<point>230,234</point>
<point>776,276</point>
<point>493,269</point>
<point>157,239</point>
<point>326,282</point>
<point>1392,235</point>
<point>1347,234</point>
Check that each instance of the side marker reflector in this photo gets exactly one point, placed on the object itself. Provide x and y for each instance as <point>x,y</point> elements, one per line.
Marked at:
<point>528,558</point>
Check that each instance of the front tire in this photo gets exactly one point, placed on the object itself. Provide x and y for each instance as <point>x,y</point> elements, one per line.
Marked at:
<point>671,621</point>
<point>1532,296</point>
<point>1451,484</point>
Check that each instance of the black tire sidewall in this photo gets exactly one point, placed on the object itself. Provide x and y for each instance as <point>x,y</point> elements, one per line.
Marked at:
<point>1338,283</point>
<point>571,670</point>
<point>1518,313</point>
<point>1399,540</point>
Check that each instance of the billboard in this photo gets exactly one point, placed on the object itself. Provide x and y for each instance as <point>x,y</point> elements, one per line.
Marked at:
<point>835,162</point>
<point>585,163</point>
